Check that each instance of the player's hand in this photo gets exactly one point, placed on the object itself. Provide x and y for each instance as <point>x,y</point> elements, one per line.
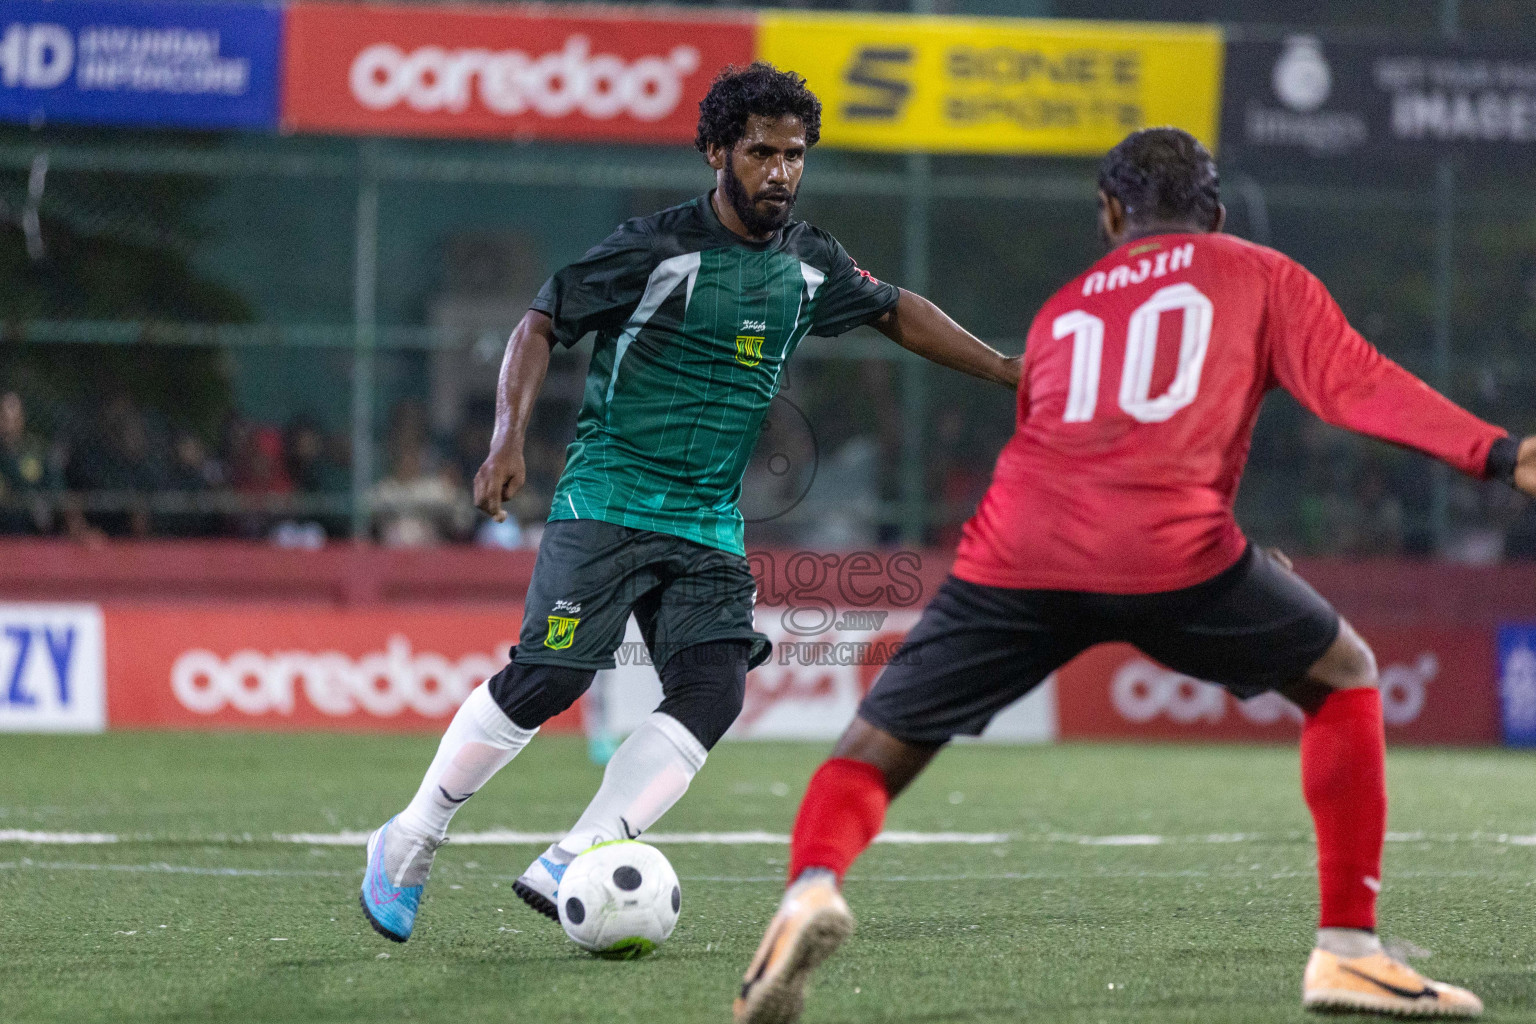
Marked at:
<point>499,477</point>
<point>1525,467</point>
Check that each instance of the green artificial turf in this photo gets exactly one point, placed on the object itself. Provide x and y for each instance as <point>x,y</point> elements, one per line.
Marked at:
<point>180,919</point>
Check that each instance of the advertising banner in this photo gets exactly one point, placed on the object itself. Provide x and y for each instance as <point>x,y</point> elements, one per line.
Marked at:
<point>503,72</point>
<point>970,85</point>
<point>290,667</point>
<point>1517,684</point>
<point>285,667</point>
<point>1304,95</point>
<point>1437,687</point>
<point>51,671</point>
<point>293,667</point>
<point>181,65</point>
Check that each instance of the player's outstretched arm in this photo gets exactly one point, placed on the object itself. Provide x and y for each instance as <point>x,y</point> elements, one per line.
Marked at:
<point>917,325</point>
<point>522,377</point>
<point>1321,360</point>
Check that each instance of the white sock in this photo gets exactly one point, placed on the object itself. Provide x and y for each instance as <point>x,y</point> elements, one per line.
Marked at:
<point>480,740</point>
<point>1348,943</point>
<point>648,774</point>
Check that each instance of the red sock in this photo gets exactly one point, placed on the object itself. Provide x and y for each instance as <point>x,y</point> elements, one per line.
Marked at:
<point>840,816</point>
<point>1343,776</point>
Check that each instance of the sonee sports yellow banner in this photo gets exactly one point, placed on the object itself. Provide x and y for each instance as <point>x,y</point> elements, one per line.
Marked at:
<point>963,85</point>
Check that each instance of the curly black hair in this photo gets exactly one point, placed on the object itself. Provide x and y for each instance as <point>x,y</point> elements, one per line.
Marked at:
<point>1162,174</point>
<point>759,88</point>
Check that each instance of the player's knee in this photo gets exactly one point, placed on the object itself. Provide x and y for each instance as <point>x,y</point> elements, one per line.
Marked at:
<point>704,687</point>
<point>1350,663</point>
<point>533,694</point>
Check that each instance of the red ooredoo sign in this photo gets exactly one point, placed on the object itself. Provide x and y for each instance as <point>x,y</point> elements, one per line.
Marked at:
<point>495,72</point>
<point>1437,687</point>
<point>291,667</point>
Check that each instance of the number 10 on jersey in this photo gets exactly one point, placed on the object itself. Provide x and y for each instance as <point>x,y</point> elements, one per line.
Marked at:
<point>1087,332</point>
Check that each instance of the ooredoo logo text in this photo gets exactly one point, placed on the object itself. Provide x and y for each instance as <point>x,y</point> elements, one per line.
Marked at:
<point>570,80</point>
<point>1142,692</point>
<point>381,683</point>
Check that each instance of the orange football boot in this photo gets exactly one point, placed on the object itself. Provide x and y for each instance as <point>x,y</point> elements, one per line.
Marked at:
<point>1380,984</point>
<point>811,923</point>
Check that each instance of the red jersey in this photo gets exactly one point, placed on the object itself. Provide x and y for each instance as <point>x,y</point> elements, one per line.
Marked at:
<point>1141,383</point>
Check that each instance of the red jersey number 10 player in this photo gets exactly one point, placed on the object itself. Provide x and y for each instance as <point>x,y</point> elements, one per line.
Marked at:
<point>1110,518</point>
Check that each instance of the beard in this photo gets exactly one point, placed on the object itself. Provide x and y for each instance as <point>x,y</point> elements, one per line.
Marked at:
<point>745,205</point>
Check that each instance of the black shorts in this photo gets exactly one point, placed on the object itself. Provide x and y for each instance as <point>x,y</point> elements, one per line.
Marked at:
<point>590,575</point>
<point>1255,627</point>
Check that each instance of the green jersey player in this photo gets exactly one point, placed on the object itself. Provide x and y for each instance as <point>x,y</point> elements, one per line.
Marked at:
<point>696,309</point>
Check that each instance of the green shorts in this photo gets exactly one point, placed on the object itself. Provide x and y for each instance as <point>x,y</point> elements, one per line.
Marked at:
<point>590,575</point>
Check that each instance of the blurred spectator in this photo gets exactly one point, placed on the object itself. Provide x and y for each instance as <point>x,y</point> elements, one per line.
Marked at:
<point>850,509</point>
<point>112,471</point>
<point>316,472</point>
<point>259,473</point>
<point>956,474</point>
<point>1522,532</point>
<point>24,472</point>
<point>415,508</point>
<point>1483,515</point>
<point>1374,519</point>
<point>194,475</point>
<point>507,534</point>
<point>407,429</point>
<point>311,466</point>
<point>472,441</point>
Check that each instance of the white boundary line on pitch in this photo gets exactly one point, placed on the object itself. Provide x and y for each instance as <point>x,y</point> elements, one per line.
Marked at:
<point>160,868</point>
<point>508,837</point>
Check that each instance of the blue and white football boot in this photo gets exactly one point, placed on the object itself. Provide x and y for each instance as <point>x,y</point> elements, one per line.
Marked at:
<point>398,865</point>
<point>539,886</point>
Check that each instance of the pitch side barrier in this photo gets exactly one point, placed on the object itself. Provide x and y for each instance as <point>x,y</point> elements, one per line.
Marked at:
<point>599,74</point>
<point>228,635</point>
<point>888,82</point>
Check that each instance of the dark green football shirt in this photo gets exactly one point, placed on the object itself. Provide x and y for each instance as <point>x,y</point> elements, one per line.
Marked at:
<point>694,325</point>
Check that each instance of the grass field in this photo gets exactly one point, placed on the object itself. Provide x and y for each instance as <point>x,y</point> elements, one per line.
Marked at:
<point>1133,884</point>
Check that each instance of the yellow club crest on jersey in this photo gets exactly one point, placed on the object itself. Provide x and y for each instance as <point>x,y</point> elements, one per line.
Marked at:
<point>562,631</point>
<point>749,349</point>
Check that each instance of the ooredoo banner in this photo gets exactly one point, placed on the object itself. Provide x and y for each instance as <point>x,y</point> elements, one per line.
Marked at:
<point>1437,687</point>
<point>489,72</point>
<point>80,667</point>
<point>286,667</point>
<point>184,65</point>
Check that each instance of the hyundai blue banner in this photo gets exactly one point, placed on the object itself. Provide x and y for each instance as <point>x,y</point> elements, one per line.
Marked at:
<point>173,65</point>
<point>1517,684</point>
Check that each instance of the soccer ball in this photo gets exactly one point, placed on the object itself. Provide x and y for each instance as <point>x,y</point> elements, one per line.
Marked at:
<point>620,900</point>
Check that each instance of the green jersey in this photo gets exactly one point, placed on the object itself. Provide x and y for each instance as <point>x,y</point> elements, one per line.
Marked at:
<point>694,325</point>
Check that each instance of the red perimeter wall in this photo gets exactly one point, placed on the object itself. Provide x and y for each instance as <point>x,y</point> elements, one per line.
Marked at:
<point>238,635</point>
<point>1382,591</point>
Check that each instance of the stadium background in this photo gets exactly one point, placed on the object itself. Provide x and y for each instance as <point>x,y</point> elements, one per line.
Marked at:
<point>243,327</point>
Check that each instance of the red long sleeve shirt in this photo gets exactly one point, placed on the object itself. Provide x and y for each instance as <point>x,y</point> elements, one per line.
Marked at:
<point>1142,380</point>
